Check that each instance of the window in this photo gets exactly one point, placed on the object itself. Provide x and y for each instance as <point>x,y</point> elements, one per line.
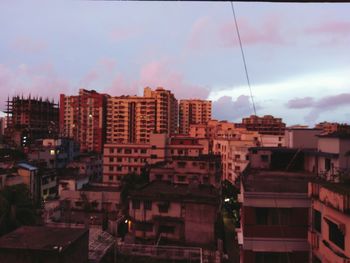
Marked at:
<point>327,164</point>
<point>181,164</point>
<point>159,177</point>
<point>143,151</point>
<point>135,204</point>
<point>166,229</point>
<point>128,151</point>
<point>272,216</point>
<point>181,178</point>
<point>154,156</point>
<point>110,178</point>
<point>335,234</point>
<point>147,227</point>
<point>111,168</point>
<point>163,207</point>
<point>264,158</point>
<point>237,157</point>
<point>237,168</point>
<point>317,220</point>
<point>111,159</point>
<point>147,205</point>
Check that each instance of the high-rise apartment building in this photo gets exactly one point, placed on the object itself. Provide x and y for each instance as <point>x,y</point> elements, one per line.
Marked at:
<point>130,119</point>
<point>166,109</point>
<point>82,118</point>
<point>193,112</point>
<point>29,119</point>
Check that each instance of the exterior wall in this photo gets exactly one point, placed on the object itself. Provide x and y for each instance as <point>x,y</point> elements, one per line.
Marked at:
<point>123,159</point>
<point>329,145</point>
<point>130,119</point>
<point>72,184</point>
<point>166,109</point>
<point>193,112</point>
<point>234,154</point>
<point>333,207</point>
<point>194,223</point>
<point>98,199</point>
<point>189,171</point>
<point>302,138</point>
<point>83,118</point>
<point>200,223</point>
<point>269,140</point>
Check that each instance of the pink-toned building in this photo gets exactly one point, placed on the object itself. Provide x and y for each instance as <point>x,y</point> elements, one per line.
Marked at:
<point>126,158</point>
<point>174,214</point>
<point>275,207</point>
<point>329,233</point>
<point>203,169</point>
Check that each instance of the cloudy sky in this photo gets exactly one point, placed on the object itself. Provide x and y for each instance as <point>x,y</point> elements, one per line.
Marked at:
<point>297,54</point>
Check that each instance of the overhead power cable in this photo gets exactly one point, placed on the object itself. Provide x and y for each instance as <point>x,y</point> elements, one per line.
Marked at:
<point>243,57</point>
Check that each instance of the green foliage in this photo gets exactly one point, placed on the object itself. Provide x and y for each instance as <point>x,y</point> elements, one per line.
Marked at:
<point>16,208</point>
<point>130,183</point>
<point>230,202</point>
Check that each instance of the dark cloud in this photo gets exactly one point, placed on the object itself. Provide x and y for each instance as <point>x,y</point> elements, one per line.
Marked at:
<point>318,106</point>
<point>227,108</point>
<point>300,103</point>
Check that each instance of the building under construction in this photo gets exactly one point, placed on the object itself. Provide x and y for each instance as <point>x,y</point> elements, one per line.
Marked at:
<point>29,119</point>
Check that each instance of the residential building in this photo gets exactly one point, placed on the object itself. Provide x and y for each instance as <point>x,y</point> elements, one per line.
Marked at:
<point>234,155</point>
<point>331,127</point>
<point>213,129</point>
<point>126,158</point>
<point>130,119</point>
<point>55,153</point>
<point>29,244</point>
<point>264,125</point>
<point>29,119</point>
<point>174,214</point>
<point>332,156</point>
<point>166,109</point>
<point>89,164</point>
<point>83,118</point>
<point>329,233</point>
<point>72,181</point>
<point>275,207</point>
<point>193,111</point>
<point>90,198</point>
<point>202,169</point>
<point>42,183</point>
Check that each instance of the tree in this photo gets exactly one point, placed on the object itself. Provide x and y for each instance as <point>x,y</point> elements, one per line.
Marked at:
<point>131,182</point>
<point>16,208</point>
<point>230,204</point>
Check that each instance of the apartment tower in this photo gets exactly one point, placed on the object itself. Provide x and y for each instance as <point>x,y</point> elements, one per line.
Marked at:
<point>166,109</point>
<point>130,119</point>
<point>82,118</point>
<point>193,112</point>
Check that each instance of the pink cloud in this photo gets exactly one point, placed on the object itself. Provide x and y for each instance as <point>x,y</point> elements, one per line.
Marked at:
<point>331,27</point>
<point>28,45</point>
<point>160,74</point>
<point>268,32</point>
<point>38,80</point>
<point>199,32</point>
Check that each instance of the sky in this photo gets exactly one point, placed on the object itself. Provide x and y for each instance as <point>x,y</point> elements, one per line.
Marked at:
<point>297,54</point>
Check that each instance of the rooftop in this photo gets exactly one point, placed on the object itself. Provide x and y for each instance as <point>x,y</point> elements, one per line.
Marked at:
<point>277,181</point>
<point>341,188</point>
<point>41,238</point>
<point>339,135</point>
<point>164,190</point>
<point>100,188</point>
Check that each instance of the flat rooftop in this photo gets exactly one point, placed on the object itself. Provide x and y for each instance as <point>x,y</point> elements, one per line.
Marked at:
<point>276,181</point>
<point>41,238</point>
<point>164,190</point>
